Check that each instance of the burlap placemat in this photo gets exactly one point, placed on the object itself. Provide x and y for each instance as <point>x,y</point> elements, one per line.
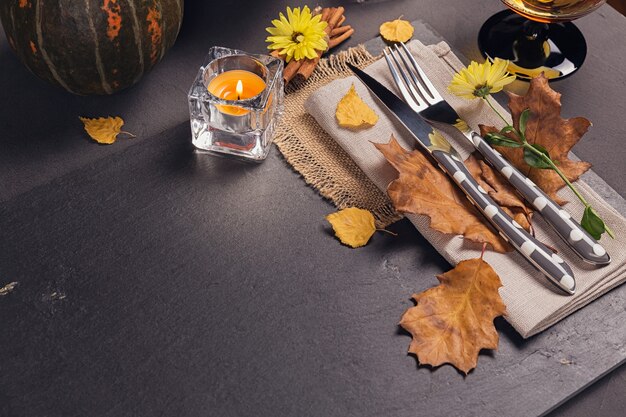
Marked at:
<point>313,153</point>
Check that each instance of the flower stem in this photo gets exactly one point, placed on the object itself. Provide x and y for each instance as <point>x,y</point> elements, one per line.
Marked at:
<point>609,231</point>
<point>550,162</point>
<point>506,123</point>
<point>556,169</point>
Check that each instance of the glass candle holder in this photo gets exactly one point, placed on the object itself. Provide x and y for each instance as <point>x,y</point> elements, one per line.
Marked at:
<point>235,103</point>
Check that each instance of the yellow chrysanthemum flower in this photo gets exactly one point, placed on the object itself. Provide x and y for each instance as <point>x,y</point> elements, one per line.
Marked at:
<point>299,35</point>
<point>480,80</point>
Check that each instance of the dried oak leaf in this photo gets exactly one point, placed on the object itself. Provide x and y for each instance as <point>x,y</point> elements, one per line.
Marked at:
<point>452,322</point>
<point>104,130</point>
<point>545,127</point>
<point>397,30</point>
<point>500,190</point>
<point>423,189</point>
<point>353,226</point>
<point>353,112</point>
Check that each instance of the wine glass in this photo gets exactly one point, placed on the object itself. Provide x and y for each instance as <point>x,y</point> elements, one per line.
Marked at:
<point>537,36</point>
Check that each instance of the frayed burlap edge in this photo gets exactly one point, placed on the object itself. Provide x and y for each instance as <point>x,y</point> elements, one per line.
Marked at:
<point>311,152</point>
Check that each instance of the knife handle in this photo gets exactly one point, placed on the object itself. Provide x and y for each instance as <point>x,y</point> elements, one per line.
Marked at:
<point>550,264</point>
<point>570,231</point>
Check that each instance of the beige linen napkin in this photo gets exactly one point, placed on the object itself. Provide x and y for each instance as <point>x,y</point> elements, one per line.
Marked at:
<point>532,303</point>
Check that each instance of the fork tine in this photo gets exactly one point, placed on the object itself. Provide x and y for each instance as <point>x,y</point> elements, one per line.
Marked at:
<point>426,96</point>
<point>408,85</point>
<point>399,83</point>
<point>429,86</point>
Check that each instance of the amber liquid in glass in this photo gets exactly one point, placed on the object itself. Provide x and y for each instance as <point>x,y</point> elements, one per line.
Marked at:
<point>549,11</point>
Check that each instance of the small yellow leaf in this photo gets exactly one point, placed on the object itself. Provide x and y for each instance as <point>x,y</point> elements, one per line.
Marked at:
<point>353,226</point>
<point>104,129</point>
<point>397,30</point>
<point>353,112</point>
<point>462,126</point>
<point>438,142</point>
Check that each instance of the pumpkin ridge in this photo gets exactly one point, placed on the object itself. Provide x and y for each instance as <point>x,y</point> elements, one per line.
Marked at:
<point>42,50</point>
<point>99,65</point>
<point>137,34</point>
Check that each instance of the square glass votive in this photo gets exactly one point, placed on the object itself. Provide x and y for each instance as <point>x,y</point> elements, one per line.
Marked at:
<point>235,103</point>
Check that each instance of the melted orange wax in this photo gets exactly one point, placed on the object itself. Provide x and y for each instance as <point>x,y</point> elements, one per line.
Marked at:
<point>224,86</point>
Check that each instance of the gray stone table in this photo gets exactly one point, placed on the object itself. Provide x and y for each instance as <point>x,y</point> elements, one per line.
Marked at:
<point>154,281</point>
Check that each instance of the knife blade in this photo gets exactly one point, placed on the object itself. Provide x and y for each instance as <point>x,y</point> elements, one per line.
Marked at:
<point>550,264</point>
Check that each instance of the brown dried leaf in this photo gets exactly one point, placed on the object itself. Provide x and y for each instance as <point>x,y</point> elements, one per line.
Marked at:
<point>500,190</point>
<point>452,322</point>
<point>546,127</point>
<point>423,189</point>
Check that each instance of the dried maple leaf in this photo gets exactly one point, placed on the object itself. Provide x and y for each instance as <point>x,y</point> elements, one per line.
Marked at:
<point>353,226</point>
<point>547,128</point>
<point>397,30</point>
<point>104,130</point>
<point>423,189</point>
<point>452,322</point>
<point>353,112</point>
<point>500,190</point>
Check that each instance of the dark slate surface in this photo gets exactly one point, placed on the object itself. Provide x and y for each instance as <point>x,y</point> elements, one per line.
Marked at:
<point>153,281</point>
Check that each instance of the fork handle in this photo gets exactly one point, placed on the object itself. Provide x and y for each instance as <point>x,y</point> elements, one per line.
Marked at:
<point>551,265</point>
<point>570,231</point>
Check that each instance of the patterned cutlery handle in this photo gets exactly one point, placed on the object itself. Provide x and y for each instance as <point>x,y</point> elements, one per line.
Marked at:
<point>552,266</point>
<point>576,237</point>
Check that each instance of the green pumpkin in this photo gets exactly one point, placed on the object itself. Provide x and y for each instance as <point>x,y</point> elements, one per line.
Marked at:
<point>91,46</point>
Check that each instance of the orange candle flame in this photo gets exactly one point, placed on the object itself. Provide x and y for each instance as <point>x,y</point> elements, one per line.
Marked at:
<point>239,89</point>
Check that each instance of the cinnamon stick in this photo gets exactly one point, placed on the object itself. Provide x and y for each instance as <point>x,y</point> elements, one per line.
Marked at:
<point>291,69</point>
<point>337,40</point>
<point>339,30</point>
<point>334,17</point>
<point>307,67</point>
<point>326,13</point>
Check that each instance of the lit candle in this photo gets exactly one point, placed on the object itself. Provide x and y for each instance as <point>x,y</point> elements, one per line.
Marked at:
<point>236,85</point>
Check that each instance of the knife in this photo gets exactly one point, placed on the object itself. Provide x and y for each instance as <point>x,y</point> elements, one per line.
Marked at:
<point>438,113</point>
<point>550,264</point>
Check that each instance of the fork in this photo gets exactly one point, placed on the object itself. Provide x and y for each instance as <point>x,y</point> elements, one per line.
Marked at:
<point>421,95</point>
<point>449,161</point>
